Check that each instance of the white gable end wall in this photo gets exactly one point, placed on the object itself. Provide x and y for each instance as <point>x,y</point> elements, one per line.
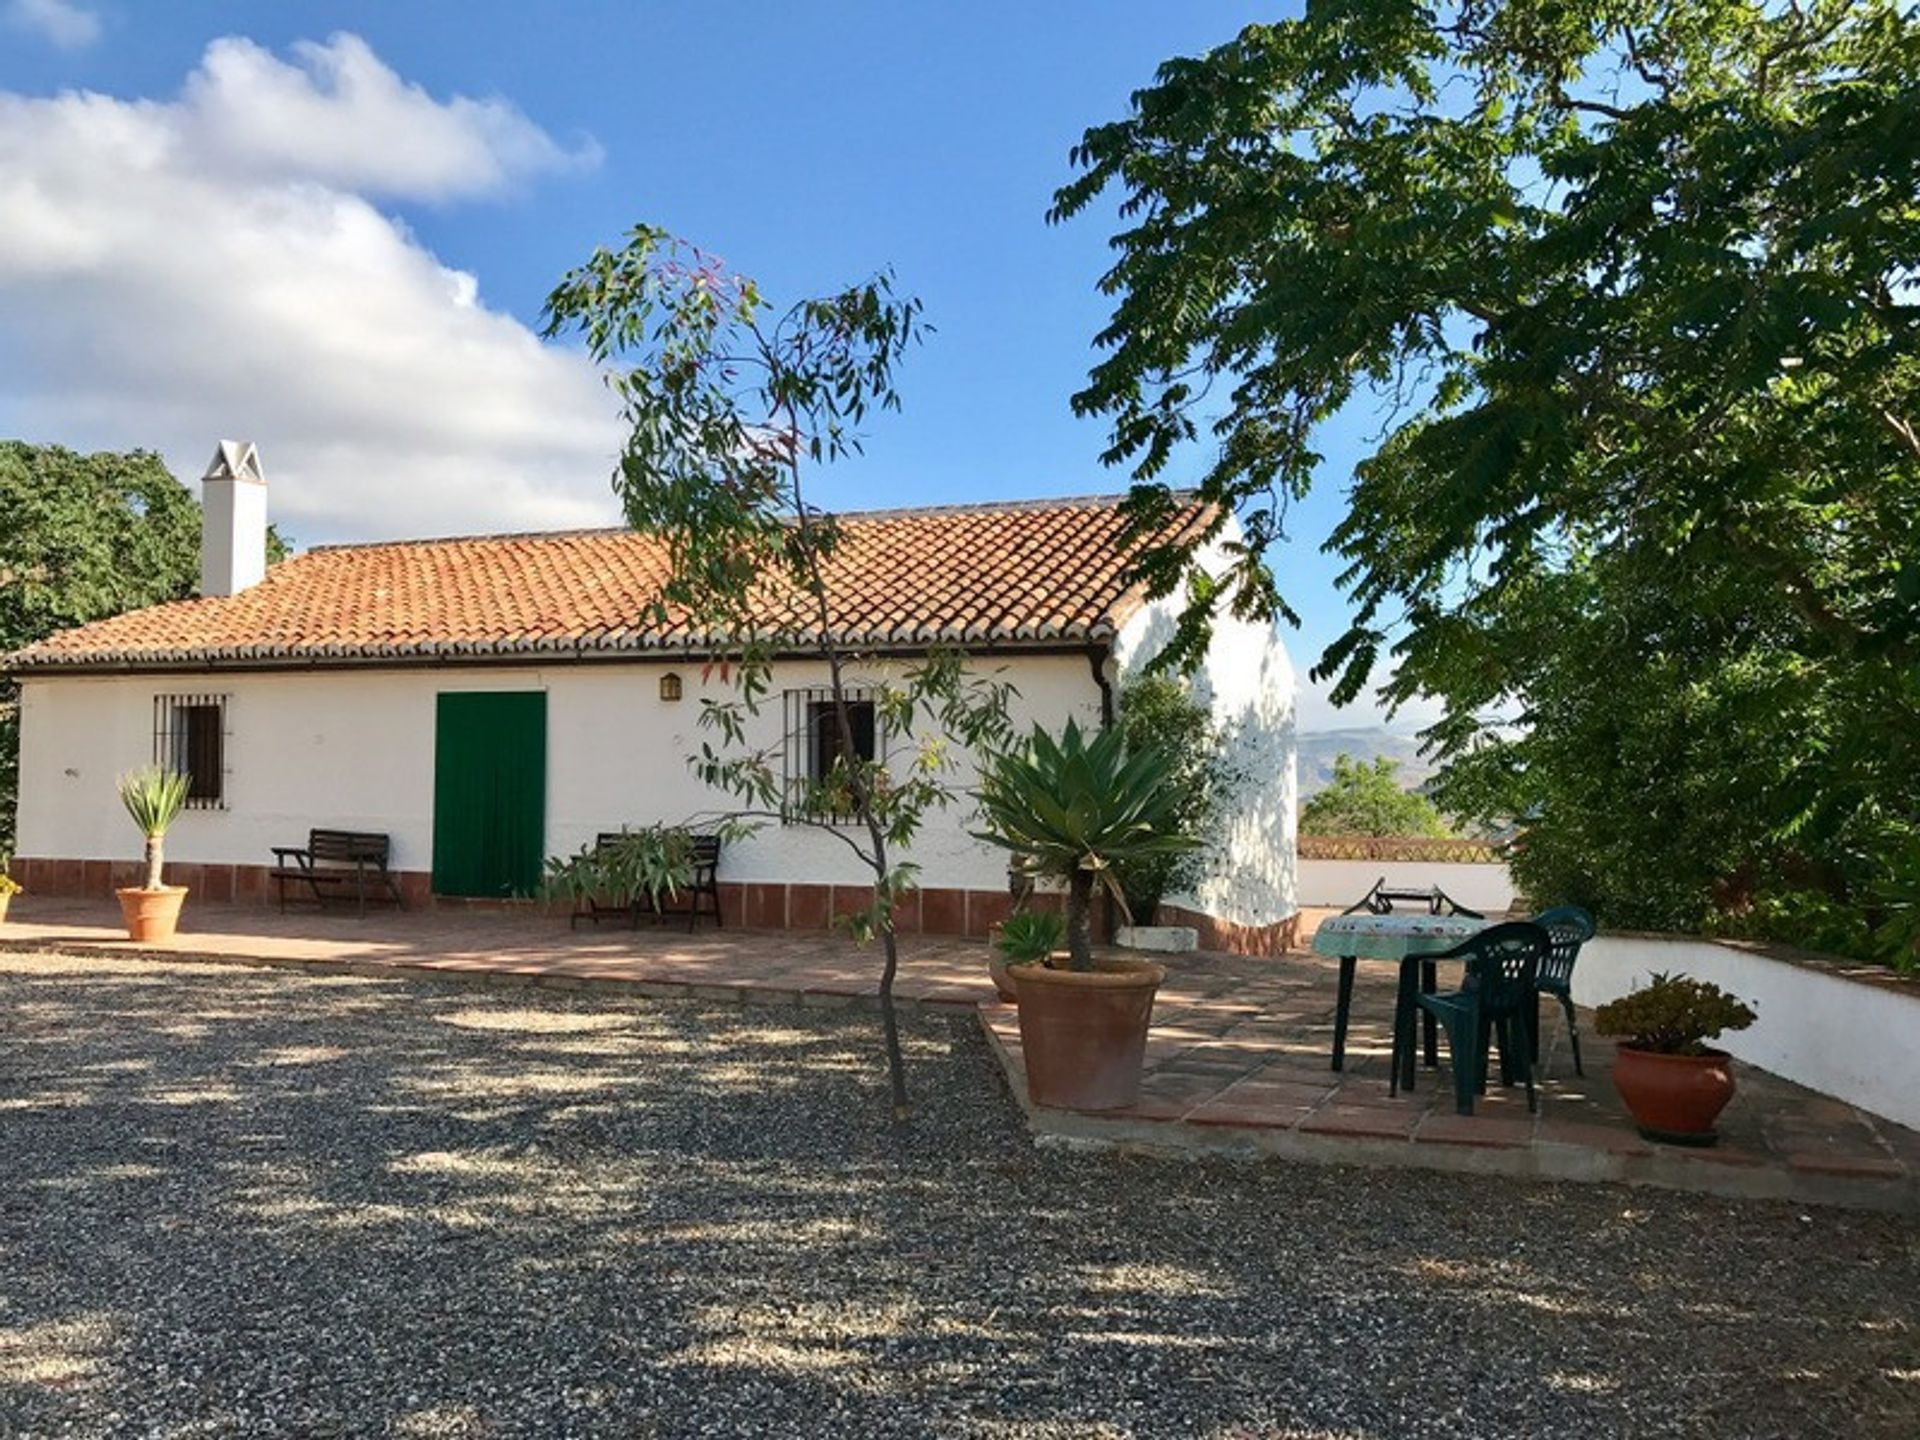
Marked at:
<point>1247,682</point>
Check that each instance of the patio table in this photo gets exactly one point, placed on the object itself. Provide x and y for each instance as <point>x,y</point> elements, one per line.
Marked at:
<point>1408,939</point>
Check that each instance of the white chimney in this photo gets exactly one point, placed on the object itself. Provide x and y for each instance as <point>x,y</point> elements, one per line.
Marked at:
<point>233,520</point>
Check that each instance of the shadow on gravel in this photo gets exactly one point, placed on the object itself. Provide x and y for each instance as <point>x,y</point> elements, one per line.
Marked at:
<point>234,1202</point>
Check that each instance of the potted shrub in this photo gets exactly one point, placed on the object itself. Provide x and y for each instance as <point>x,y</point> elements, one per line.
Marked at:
<point>639,866</point>
<point>1069,810</point>
<point>1672,1082</point>
<point>154,798</point>
<point>1026,937</point>
<point>9,887</point>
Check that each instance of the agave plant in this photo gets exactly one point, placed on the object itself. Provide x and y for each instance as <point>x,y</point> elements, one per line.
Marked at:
<point>1029,936</point>
<point>154,798</point>
<point>1071,809</point>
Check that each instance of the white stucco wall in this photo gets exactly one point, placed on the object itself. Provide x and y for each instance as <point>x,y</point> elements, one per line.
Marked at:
<point>1247,682</point>
<point>1852,1039</point>
<point>354,749</point>
<point>1339,883</point>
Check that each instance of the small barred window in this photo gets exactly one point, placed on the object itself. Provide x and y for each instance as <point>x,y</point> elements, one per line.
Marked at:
<point>190,738</point>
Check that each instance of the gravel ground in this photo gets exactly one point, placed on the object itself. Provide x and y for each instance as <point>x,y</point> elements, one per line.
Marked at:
<point>252,1203</point>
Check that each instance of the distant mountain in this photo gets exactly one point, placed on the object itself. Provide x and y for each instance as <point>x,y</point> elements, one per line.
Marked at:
<point>1318,748</point>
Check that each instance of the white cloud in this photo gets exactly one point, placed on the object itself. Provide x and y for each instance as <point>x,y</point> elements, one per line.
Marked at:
<point>337,117</point>
<point>172,272</point>
<point>59,22</point>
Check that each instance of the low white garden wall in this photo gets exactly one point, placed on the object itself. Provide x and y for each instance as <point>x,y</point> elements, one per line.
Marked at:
<point>1855,1039</point>
<point>1338,883</point>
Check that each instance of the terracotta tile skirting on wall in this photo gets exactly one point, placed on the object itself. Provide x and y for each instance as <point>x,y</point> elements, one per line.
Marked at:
<point>1233,938</point>
<point>756,905</point>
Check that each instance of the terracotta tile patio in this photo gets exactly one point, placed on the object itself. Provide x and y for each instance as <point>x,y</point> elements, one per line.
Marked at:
<point>1237,1063</point>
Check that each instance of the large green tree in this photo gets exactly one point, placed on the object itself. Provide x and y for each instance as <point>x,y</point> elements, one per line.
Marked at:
<point>1366,798</point>
<point>1628,290</point>
<point>83,537</point>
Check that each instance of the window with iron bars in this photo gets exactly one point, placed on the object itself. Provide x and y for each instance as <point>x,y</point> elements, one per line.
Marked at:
<point>190,738</point>
<point>814,745</point>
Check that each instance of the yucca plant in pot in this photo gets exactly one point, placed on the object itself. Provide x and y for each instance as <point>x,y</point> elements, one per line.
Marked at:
<point>1070,809</point>
<point>1026,937</point>
<point>1674,1084</point>
<point>154,799</point>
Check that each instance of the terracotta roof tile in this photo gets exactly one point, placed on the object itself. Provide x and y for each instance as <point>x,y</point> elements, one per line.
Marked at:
<point>984,576</point>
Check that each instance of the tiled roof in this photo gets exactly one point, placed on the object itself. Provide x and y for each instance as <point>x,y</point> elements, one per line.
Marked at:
<point>984,576</point>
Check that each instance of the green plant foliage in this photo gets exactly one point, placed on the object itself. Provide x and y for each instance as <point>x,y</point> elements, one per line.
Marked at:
<point>650,863</point>
<point>1073,809</point>
<point>729,406</point>
<point>1160,711</point>
<point>153,799</point>
<point>1028,937</point>
<point>1366,798</point>
<point>1673,1015</point>
<point>83,537</point>
<point>1626,290</point>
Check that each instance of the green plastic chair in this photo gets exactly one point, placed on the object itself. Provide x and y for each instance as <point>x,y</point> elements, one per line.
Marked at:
<point>1568,927</point>
<point>1496,1000</point>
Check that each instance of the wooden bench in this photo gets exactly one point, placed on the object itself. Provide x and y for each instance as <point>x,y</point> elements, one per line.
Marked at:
<point>333,860</point>
<point>705,884</point>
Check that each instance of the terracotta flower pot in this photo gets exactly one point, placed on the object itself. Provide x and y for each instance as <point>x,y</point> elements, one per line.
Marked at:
<point>151,914</point>
<point>1002,974</point>
<point>1675,1098</point>
<point>1084,1033</point>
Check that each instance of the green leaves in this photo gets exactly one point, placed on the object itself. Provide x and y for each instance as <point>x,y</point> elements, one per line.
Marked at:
<point>1367,799</point>
<point>1627,291</point>
<point>1673,1015</point>
<point>83,537</point>
<point>651,862</point>
<point>153,798</point>
<point>1073,809</point>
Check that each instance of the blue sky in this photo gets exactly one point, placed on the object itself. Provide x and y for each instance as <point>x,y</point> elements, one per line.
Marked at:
<point>807,144</point>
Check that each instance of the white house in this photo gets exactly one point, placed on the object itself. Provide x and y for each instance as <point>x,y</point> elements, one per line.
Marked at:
<point>511,686</point>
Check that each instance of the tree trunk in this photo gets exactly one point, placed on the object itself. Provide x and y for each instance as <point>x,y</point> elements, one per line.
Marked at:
<point>1080,919</point>
<point>863,804</point>
<point>890,1023</point>
<point>154,861</point>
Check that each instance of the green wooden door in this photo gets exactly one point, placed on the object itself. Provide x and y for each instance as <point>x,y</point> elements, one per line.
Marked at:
<point>489,792</point>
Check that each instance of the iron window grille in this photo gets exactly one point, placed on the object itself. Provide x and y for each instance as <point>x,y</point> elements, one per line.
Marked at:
<point>814,745</point>
<point>190,738</point>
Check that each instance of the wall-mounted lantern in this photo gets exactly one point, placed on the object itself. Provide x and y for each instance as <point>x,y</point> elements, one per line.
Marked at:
<point>670,686</point>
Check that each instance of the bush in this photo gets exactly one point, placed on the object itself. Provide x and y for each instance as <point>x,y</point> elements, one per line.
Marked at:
<point>1673,1015</point>
<point>649,863</point>
<point>1159,712</point>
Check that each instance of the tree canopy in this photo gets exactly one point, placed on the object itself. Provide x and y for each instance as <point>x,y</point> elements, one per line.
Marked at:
<point>83,537</point>
<point>1367,798</point>
<point>1629,289</point>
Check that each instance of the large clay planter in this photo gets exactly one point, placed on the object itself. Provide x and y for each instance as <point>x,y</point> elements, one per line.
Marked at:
<point>151,914</point>
<point>1084,1033</point>
<point>1675,1098</point>
<point>1002,974</point>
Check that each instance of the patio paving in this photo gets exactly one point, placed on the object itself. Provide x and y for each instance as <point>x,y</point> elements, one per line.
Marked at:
<point>1237,1063</point>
